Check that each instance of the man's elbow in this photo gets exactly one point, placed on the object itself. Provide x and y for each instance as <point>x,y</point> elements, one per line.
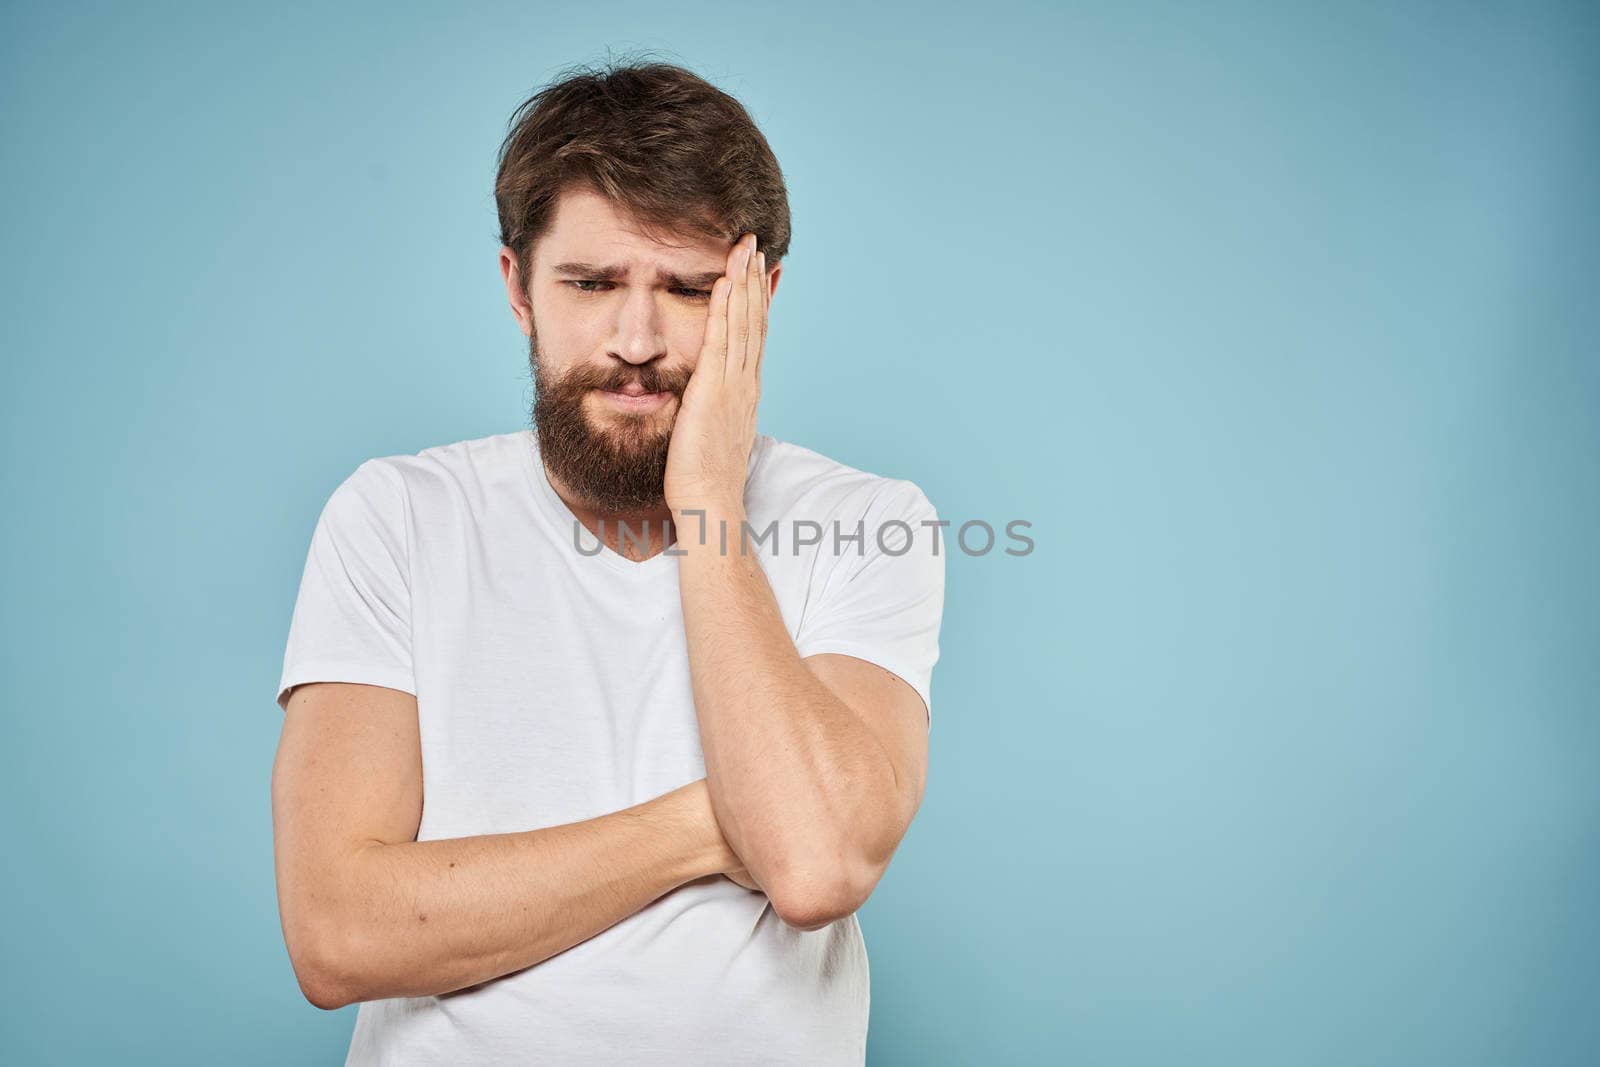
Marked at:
<point>324,966</point>
<point>811,911</point>
<point>831,881</point>
<point>816,899</point>
<point>325,991</point>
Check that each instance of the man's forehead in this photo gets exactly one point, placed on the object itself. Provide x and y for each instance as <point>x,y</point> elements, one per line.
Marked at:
<point>601,247</point>
<point>604,253</point>
<point>589,229</point>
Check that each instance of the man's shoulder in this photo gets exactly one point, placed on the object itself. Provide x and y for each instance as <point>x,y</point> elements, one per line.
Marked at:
<point>793,480</point>
<point>477,462</point>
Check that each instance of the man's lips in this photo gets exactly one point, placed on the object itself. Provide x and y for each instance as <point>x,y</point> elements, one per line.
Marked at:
<point>634,398</point>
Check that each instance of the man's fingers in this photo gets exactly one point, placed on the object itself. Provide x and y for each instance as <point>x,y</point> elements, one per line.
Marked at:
<point>758,329</point>
<point>715,347</point>
<point>754,307</point>
<point>738,309</point>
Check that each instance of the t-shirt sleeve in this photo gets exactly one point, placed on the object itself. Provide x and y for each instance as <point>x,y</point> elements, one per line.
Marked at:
<point>884,603</point>
<point>352,616</point>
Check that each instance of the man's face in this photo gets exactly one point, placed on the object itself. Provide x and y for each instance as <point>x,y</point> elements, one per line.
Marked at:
<point>612,312</point>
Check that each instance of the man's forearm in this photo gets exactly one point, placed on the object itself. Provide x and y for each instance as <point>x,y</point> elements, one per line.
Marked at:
<point>800,786</point>
<point>428,917</point>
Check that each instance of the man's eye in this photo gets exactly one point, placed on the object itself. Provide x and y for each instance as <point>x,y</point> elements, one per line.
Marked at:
<point>692,294</point>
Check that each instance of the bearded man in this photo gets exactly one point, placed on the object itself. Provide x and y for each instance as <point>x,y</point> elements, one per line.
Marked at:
<point>597,734</point>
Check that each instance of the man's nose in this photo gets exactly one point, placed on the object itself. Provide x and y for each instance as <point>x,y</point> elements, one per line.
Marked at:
<point>638,337</point>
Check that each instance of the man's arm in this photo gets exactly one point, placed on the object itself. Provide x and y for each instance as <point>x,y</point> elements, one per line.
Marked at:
<point>813,798</point>
<point>370,912</point>
<point>812,789</point>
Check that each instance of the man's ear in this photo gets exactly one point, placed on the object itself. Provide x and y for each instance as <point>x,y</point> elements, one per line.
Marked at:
<point>516,290</point>
<point>772,283</point>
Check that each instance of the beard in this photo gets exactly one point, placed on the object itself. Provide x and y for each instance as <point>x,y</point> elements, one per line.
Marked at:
<point>620,466</point>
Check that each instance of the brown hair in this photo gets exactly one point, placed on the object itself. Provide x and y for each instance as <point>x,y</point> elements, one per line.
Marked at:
<point>656,139</point>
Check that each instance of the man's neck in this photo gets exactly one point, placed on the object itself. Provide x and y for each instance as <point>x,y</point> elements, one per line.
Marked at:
<point>641,523</point>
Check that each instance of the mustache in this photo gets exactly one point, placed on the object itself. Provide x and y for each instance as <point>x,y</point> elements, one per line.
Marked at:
<point>648,377</point>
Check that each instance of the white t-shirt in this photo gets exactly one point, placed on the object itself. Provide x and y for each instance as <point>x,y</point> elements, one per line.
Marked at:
<point>552,683</point>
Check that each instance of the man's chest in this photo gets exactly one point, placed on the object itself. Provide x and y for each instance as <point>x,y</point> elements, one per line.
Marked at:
<point>550,692</point>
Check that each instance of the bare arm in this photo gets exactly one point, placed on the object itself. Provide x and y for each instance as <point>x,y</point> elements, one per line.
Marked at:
<point>815,765</point>
<point>813,788</point>
<point>370,912</point>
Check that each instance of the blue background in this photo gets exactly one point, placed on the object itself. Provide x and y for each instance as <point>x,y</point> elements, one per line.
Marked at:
<point>1279,326</point>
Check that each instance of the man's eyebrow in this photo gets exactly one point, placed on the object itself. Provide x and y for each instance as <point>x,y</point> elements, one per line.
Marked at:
<point>598,273</point>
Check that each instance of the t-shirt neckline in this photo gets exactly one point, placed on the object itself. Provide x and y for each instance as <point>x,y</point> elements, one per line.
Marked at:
<point>566,522</point>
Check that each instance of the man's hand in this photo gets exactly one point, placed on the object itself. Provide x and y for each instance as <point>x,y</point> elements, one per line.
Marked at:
<point>696,797</point>
<point>716,424</point>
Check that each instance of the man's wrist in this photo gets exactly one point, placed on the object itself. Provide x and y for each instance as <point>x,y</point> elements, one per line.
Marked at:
<point>688,817</point>
<point>716,527</point>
